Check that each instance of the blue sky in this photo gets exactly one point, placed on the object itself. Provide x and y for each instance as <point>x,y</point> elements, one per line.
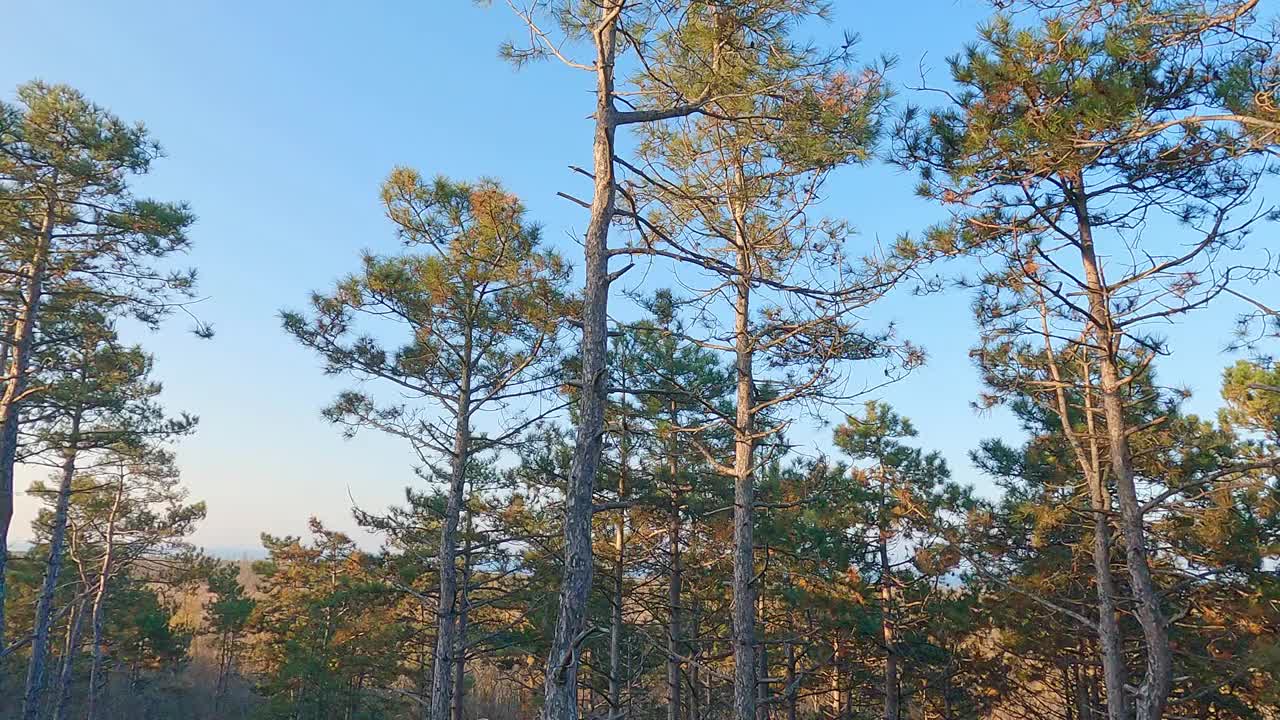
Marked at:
<point>280,120</point>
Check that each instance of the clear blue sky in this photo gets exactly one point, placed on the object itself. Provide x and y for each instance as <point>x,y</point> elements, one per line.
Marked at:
<point>280,119</point>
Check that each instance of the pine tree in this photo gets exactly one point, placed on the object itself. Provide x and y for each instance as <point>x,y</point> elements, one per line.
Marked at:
<point>732,191</point>
<point>226,617</point>
<point>73,229</point>
<point>328,640</point>
<point>98,397</point>
<point>908,491</point>
<point>480,312</point>
<point>1062,145</point>
<point>676,47</point>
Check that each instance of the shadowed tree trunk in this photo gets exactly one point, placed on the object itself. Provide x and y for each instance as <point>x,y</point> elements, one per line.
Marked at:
<point>96,678</point>
<point>69,651</point>
<point>36,666</point>
<point>887,635</point>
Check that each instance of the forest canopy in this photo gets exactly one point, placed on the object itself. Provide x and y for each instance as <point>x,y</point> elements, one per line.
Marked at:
<point>686,497</point>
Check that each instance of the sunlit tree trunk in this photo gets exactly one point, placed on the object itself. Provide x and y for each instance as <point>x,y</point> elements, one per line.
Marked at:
<point>1153,694</point>
<point>744,601</point>
<point>561,681</point>
<point>1089,462</point>
<point>15,385</point>
<point>887,635</point>
<point>619,564</point>
<point>464,613</point>
<point>447,614</point>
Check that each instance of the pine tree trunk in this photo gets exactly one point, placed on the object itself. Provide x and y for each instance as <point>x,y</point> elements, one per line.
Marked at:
<point>744,601</point>
<point>16,372</point>
<point>1109,637</point>
<point>887,635</point>
<point>96,678</point>
<point>224,668</point>
<point>762,652</point>
<point>615,621</point>
<point>447,612</point>
<point>1153,694</point>
<point>1084,710</point>
<point>673,602</point>
<point>464,613</point>
<point>695,670</point>
<point>619,576</point>
<point>836,699</point>
<point>561,680</point>
<point>793,692</point>
<point>36,666</point>
<point>69,651</point>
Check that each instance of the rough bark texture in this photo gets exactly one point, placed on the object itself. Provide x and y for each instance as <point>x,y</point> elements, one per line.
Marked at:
<point>96,678</point>
<point>561,680</point>
<point>20,344</point>
<point>744,590</point>
<point>1108,629</point>
<point>69,651</point>
<point>615,618</point>
<point>1109,636</point>
<point>619,576</point>
<point>793,691</point>
<point>37,664</point>
<point>442,674</point>
<point>460,654</point>
<point>1153,695</point>
<point>1084,708</point>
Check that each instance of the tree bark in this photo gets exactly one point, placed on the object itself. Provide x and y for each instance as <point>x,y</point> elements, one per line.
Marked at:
<point>561,679</point>
<point>464,613</point>
<point>793,692</point>
<point>16,375</point>
<point>615,619</point>
<point>695,671</point>
<point>1153,695</point>
<point>619,573</point>
<point>36,666</point>
<point>744,600</point>
<point>836,693</point>
<point>68,660</point>
<point>442,670</point>
<point>96,679</point>
<point>887,634</point>
<point>1109,636</point>
<point>674,584</point>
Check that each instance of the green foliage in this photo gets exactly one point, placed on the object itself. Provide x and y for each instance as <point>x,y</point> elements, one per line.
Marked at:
<point>229,611</point>
<point>141,634</point>
<point>65,169</point>
<point>326,629</point>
